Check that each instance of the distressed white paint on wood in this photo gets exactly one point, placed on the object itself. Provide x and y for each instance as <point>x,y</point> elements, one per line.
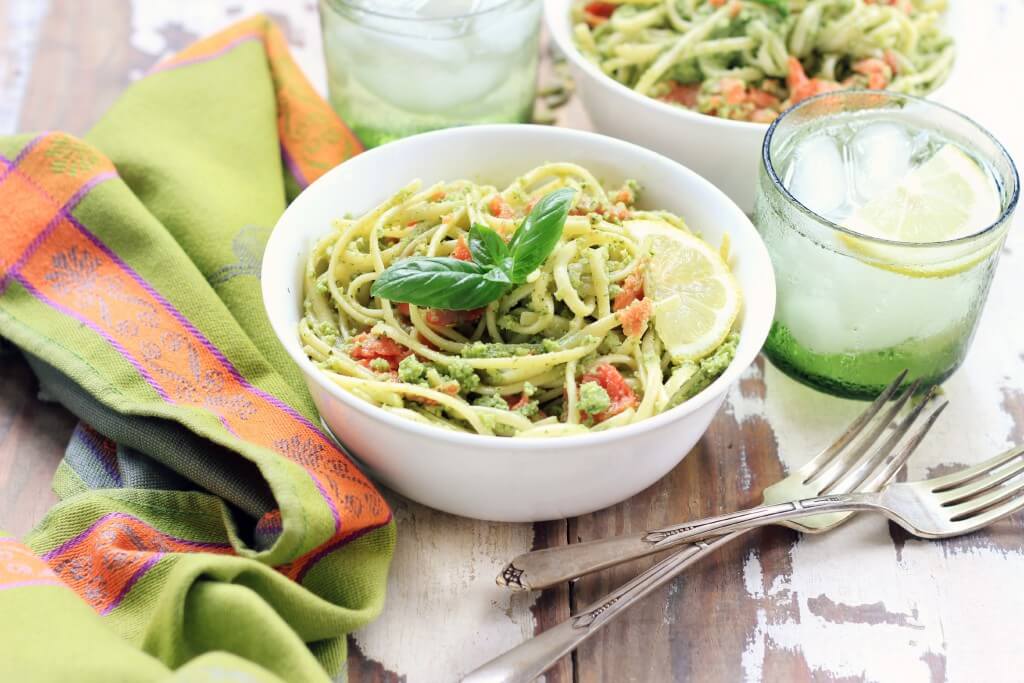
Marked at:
<point>19,25</point>
<point>932,605</point>
<point>444,614</point>
<point>864,608</point>
<point>298,19</point>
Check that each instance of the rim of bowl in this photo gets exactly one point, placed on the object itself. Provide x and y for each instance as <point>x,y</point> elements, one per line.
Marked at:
<point>769,167</point>
<point>739,364</point>
<point>556,15</point>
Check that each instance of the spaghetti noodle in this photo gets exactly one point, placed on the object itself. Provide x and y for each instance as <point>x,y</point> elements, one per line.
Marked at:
<point>567,352</point>
<point>750,59</point>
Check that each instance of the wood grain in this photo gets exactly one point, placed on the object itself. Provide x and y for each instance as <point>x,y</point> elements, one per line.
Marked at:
<point>83,62</point>
<point>33,435</point>
<point>668,635</point>
<point>858,605</point>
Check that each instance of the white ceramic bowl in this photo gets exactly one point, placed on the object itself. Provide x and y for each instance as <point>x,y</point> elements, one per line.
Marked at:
<point>728,153</point>
<point>725,152</point>
<point>512,479</point>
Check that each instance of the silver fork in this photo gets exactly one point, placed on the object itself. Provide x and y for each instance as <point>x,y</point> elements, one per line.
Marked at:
<point>843,466</point>
<point>941,507</point>
<point>870,471</point>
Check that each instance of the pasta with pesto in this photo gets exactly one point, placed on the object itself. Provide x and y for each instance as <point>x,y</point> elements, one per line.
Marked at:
<point>749,60</point>
<point>579,347</point>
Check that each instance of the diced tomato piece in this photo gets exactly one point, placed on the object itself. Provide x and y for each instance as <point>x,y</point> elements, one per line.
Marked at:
<point>796,77</point>
<point>368,347</point>
<point>892,60</point>
<point>403,309</point>
<point>620,393</point>
<point>437,317</point>
<point>461,251</point>
<point>632,289</point>
<point>734,89</point>
<point>437,196</point>
<point>716,3</point>
<point>877,70</point>
<point>600,9</point>
<point>500,208</point>
<point>596,13</point>
<point>521,402</point>
<point>683,93</point>
<point>450,388</point>
<point>761,99</point>
<point>634,317</point>
<point>801,87</point>
<point>411,223</point>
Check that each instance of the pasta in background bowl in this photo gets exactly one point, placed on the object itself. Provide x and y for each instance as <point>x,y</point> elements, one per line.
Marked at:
<point>698,80</point>
<point>524,478</point>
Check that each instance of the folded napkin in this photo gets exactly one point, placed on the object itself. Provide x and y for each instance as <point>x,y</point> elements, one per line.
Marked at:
<point>207,528</point>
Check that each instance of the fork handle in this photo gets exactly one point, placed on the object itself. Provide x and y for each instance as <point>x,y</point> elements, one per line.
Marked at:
<point>545,568</point>
<point>532,657</point>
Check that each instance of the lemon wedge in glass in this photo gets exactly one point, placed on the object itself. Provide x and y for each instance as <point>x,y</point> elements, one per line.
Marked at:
<point>696,296</point>
<point>948,197</point>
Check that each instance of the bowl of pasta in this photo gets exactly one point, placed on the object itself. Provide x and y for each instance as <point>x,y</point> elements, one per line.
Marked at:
<point>700,80</point>
<point>517,323</point>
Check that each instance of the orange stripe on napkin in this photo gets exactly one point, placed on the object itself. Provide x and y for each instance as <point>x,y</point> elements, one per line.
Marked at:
<point>52,171</point>
<point>103,562</point>
<point>64,265</point>
<point>19,567</point>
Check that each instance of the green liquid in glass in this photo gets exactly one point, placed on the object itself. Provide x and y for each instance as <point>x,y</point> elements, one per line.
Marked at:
<point>865,374</point>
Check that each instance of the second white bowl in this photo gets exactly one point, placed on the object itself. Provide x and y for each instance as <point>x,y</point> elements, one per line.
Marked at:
<point>727,153</point>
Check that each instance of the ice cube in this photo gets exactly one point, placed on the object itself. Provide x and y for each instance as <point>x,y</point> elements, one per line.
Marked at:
<point>881,155</point>
<point>397,8</point>
<point>440,9</point>
<point>817,177</point>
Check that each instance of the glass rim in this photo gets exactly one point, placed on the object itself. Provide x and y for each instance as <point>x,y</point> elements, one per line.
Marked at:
<point>352,4</point>
<point>1004,214</point>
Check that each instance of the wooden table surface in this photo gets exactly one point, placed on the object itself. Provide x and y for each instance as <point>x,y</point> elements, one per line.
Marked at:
<point>864,603</point>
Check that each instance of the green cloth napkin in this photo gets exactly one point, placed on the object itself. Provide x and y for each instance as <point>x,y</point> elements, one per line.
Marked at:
<point>207,528</point>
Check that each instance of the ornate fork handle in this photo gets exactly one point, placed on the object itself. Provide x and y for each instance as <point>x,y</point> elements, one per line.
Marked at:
<point>545,568</point>
<point>671,536</point>
<point>531,658</point>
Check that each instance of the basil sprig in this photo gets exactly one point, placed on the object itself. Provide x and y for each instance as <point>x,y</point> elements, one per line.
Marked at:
<point>448,283</point>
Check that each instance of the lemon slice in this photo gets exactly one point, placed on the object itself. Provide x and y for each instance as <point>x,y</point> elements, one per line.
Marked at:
<point>641,228</point>
<point>696,296</point>
<point>946,198</point>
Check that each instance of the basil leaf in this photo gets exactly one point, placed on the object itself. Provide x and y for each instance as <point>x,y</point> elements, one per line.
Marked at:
<point>441,282</point>
<point>536,238</point>
<point>487,247</point>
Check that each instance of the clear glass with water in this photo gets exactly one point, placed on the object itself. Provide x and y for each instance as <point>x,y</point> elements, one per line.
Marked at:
<point>400,67</point>
<point>884,215</point>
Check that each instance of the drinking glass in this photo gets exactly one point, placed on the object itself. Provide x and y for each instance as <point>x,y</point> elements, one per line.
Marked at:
<point>853,310</point>
<point>400,67</point>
